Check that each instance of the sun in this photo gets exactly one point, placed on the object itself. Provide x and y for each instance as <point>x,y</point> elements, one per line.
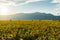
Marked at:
<point>4,10</point>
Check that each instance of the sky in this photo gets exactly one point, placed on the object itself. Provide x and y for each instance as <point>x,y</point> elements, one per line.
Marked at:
<point>29,6</point>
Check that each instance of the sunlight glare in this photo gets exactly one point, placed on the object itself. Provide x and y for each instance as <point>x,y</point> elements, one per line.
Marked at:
<point>4,10</point>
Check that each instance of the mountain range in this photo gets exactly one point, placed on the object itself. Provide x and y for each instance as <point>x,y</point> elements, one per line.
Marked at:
<point>30,16</point>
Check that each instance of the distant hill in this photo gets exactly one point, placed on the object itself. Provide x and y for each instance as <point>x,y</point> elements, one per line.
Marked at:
<point>35,16</point>
<point>32,16</point>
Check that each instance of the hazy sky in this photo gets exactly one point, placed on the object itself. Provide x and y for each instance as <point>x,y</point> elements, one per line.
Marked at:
<point>27,6</point>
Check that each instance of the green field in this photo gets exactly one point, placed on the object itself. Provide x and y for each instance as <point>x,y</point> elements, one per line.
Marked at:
<point>29,30</point>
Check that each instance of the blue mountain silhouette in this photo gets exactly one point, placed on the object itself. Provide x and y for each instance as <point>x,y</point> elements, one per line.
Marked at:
<point>35,16</point>
<point>31,16</point>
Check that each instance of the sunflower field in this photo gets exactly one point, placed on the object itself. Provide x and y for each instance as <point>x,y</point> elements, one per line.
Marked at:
<point>29,30</point>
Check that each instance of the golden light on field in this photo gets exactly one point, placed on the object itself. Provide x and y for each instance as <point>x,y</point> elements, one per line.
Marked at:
<point>4,10</point>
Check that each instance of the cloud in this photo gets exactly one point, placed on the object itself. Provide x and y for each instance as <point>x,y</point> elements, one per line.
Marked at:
<point>56,1</point>
<point>17,2</point>
<point>29,1</point>
<point>3,0</point>
<point>57,7</point>
<point>32,1</point>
